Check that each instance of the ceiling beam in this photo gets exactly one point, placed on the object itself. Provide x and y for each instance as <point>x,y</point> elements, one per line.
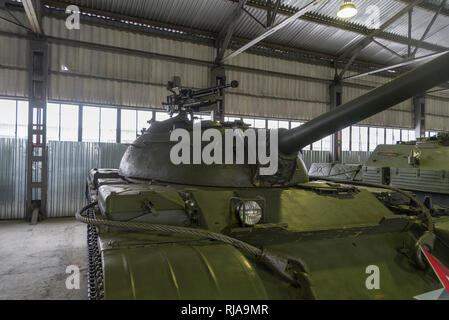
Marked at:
<point>402,64</point>
<point>429,6</point>
<point>375,33</point>
<point>225,35</point>
<point>32,9</point>
<point>359,46</point>
<point>345,25</point>
<point>272,30</point>
<point>429,26</point>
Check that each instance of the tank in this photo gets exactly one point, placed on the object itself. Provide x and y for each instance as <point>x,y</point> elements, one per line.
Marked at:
<point>420,166</point>
<point>160,230</point>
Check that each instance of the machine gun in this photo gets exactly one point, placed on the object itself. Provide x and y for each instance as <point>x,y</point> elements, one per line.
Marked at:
<point>189,100</point>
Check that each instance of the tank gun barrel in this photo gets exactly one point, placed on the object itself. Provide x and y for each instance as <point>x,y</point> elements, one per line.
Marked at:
<point>377,100</point>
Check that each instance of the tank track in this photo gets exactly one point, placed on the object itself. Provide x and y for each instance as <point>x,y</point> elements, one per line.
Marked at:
<point>95,289</point>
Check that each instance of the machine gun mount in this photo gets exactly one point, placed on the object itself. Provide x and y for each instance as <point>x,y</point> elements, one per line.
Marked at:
<point>189,100</point>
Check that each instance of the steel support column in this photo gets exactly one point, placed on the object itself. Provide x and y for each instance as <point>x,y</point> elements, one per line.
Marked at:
<point>336,91</point>
<point>80,123</point>
<point>118,128</point>
<point>419,105</point>
<point>218,78</point>
<point>37,131</point>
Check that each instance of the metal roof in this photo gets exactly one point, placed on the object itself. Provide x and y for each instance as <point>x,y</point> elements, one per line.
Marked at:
<point>324,37</point>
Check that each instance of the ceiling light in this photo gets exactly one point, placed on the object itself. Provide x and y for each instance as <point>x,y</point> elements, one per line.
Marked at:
<point>347,10</point>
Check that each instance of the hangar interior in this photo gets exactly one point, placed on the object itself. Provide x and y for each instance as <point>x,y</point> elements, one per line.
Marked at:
<point>74,97</point>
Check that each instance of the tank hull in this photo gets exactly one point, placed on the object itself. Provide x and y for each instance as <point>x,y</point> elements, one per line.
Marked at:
<point>312,222</point>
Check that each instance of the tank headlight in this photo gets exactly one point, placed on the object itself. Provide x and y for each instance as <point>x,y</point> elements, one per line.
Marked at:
<point>249,212</point>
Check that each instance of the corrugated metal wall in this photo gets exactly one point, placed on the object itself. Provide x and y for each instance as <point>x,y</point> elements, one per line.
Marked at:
<point>12,178</point>
<point>437,112</point>
<point>355,157</point>
<point>272,94</point>
<point>120,78</point>
<point>68,167</point>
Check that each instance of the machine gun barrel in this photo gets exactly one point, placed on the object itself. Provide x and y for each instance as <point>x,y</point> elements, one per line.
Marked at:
<point>400,89</point>
<point>213,90</point>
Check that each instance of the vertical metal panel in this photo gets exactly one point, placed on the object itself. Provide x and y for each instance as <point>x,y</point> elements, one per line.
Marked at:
<point>69,165</point>
<point>12,178</point>
<point>355,157</point>
<point>111,154</point>
<point>313,156</point>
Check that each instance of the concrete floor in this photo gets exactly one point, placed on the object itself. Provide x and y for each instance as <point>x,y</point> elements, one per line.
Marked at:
<point>33,259</point>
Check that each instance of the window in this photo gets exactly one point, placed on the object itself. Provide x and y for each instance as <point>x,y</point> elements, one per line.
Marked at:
<point>345,139</point>
<point>91,124</point>
<point>326,143</point>
<point>142,120</point>
<point>249,122</point>
<point>161,116</point>
<point>363,139</point>
<point>396,136</point>
<point>69,122</point>
<point>53,121</point>
<point>411,135</point>
<point>316,145</point>
<point>388,136</point>
<point>259,123</point>
<point>372,139</point>
<point>255,123</point>
<point>232,119</point>
<point>306,147</point>
<point>295,124</point>
<point>283,124</point>
<point>108,125</point>
<point>8,118</point>
<point>22,119</point>
<point>128,125</point>
<point>404,135</point>
<point>381,136</point>
<point>273,124</point>
<point>355,138</point>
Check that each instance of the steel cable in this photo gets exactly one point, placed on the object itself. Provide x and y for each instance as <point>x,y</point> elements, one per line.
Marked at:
<point>142,226</point>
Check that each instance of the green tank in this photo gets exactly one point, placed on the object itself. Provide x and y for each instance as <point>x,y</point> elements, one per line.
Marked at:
<point>420,166</point>
<point>157,230</point>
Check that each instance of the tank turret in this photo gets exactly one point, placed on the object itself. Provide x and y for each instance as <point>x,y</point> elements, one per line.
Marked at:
<point>148,158</point>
